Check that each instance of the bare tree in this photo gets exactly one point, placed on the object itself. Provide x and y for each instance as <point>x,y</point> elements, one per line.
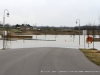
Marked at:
<point>93,33</point>
<point>99,24</point>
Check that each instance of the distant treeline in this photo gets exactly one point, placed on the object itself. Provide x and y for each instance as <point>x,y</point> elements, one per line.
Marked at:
<point>87,27</point>
<point>84,27</point>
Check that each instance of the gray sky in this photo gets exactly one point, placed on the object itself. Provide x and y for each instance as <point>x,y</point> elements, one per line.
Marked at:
<point>51,12</point>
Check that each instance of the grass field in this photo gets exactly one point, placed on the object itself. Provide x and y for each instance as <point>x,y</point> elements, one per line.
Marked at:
<point>92,55</point>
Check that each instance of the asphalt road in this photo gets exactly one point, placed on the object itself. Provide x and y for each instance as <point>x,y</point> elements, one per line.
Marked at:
<point>46,61</point>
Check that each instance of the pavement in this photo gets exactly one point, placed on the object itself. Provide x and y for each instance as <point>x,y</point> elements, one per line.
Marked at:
<point>46,61</point>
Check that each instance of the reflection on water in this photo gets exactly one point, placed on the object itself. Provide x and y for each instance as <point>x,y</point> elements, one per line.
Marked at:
<point>65,41</point>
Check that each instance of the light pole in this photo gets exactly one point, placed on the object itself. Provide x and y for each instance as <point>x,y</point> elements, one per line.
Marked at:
<point>4,28</point>
<point>79,29</point>
<point>25,29</point>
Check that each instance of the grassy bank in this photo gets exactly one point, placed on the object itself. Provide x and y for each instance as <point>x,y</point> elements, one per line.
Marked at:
<point>92,55</point>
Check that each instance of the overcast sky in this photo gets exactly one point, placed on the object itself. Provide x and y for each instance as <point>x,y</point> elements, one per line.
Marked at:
<point>51,12</point>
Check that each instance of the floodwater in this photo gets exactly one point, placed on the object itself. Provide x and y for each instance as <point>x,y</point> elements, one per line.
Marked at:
<point>63,41</point>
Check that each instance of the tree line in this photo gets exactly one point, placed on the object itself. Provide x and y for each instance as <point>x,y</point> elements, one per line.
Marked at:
<point>84,27</point>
